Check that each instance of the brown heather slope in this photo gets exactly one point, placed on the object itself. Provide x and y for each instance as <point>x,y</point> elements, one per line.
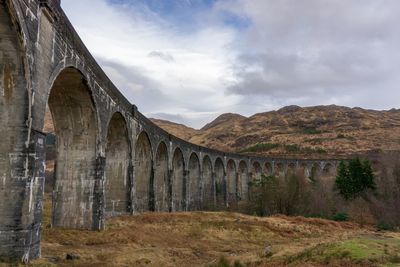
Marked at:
<point>310,132</point>
<point>201,238</point>
<point>176,129</point>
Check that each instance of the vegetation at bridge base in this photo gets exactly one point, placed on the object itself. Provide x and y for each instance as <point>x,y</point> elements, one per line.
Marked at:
<point>357,193</point>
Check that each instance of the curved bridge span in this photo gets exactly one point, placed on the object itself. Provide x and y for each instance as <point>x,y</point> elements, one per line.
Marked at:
<point>111,159</point>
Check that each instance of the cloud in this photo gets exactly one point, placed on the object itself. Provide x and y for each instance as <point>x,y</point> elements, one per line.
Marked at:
<point>308,52</point>
<point>163,56</point>
<point>193,60</point>
<point>157,65</point>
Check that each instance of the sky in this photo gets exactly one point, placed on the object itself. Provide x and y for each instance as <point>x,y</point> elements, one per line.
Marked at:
<point>189,61</point>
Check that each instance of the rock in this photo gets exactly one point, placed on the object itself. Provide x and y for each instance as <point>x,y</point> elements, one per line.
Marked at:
<point>72,256</point>
<point>268,250</point>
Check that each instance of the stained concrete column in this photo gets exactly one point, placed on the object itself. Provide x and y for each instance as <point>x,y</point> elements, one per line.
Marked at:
<point>214,191</point>
<point>98,195</point>
<point>186,191</point>
<point>131,205</point>
<point>152,204</point>
<point>201,190</point>
<point>169,185</point>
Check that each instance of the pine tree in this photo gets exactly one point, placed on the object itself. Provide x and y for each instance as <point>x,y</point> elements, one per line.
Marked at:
<point>342,182</point>
<point>354,179</point>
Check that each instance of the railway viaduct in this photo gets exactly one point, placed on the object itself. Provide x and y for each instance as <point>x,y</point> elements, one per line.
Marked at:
<point>111,159</point>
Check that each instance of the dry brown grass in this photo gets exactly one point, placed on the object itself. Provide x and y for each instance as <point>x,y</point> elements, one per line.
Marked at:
<point>189,239</point>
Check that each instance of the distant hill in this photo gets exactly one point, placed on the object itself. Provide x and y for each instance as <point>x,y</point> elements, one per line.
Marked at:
<point>309,132</point>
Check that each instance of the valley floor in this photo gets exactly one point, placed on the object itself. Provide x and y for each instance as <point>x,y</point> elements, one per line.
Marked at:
<point>203,238</point>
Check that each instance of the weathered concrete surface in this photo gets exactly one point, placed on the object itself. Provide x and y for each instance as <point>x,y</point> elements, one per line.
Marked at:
<point>110,158</point>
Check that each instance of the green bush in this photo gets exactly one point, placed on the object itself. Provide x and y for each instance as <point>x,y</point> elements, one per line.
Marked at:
<point>311,131</point>
<point>292,148</point>
<point>260,147</point>
<point>385,226</point>
<point>340,217</point>
<point>320,151</point>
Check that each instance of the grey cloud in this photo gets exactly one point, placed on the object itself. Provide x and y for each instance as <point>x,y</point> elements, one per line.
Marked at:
<point>139,89</point>
<point>167,57</point>
<point>311,51</point>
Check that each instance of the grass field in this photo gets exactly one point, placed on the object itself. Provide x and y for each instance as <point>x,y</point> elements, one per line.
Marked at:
<point>219,239</point>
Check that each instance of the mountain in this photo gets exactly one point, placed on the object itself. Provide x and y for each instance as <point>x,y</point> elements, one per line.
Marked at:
<point>293,131</point>
<point>176,129</point>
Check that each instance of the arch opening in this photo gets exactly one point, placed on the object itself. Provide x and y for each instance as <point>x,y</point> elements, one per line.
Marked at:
<point>220,184</point>
<point>256,171</point>
<point>243,182</point>
<point>280,169</point>
<point>268,169</point>
<point>117,182</point>
<point>231,178</point>
<point>161,180</point>
<point>208,187</point>
<point>291,168</point>
<point>74,120</point>
<point>178,181</point>
<point>143,174</point>
<point>194,183</point>
<point>328,171</point>
<point>315,172</point>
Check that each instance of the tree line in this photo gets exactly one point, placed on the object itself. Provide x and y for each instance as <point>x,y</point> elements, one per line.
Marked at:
<point>356,192</point>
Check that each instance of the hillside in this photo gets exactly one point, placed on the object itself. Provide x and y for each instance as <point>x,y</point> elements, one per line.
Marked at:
<point>177,129</point>
<point>309,132</point>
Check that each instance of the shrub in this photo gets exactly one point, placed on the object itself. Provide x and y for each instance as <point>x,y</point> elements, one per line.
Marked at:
<point>259,147</point>
<point>292,148</point>
<point>385,226</point>
<point>340,217</point>
<point>311,131</point>
<point>320,151</point>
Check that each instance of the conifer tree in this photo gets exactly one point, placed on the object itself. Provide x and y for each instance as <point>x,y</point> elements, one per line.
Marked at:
<point>354,178</point>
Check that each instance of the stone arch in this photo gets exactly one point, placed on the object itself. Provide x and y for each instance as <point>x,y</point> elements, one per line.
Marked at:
<point>243,181</point>
<point>231,179</point>
<point>279,169</point>
<point>291,169</point>
<point>304,170</point>
<point>256,171</point>
<point>144,173</point>
<point>268,170</point>
<point>117,181</point>
<point>178,181</point>
<point>220,184</point>
<point>161,180</point>
<point>193,194</point>
<point>255,175</point>
<point>328,170</point>
<point>208,186</point>
<point>315,171</point>
<point>75,124</point>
